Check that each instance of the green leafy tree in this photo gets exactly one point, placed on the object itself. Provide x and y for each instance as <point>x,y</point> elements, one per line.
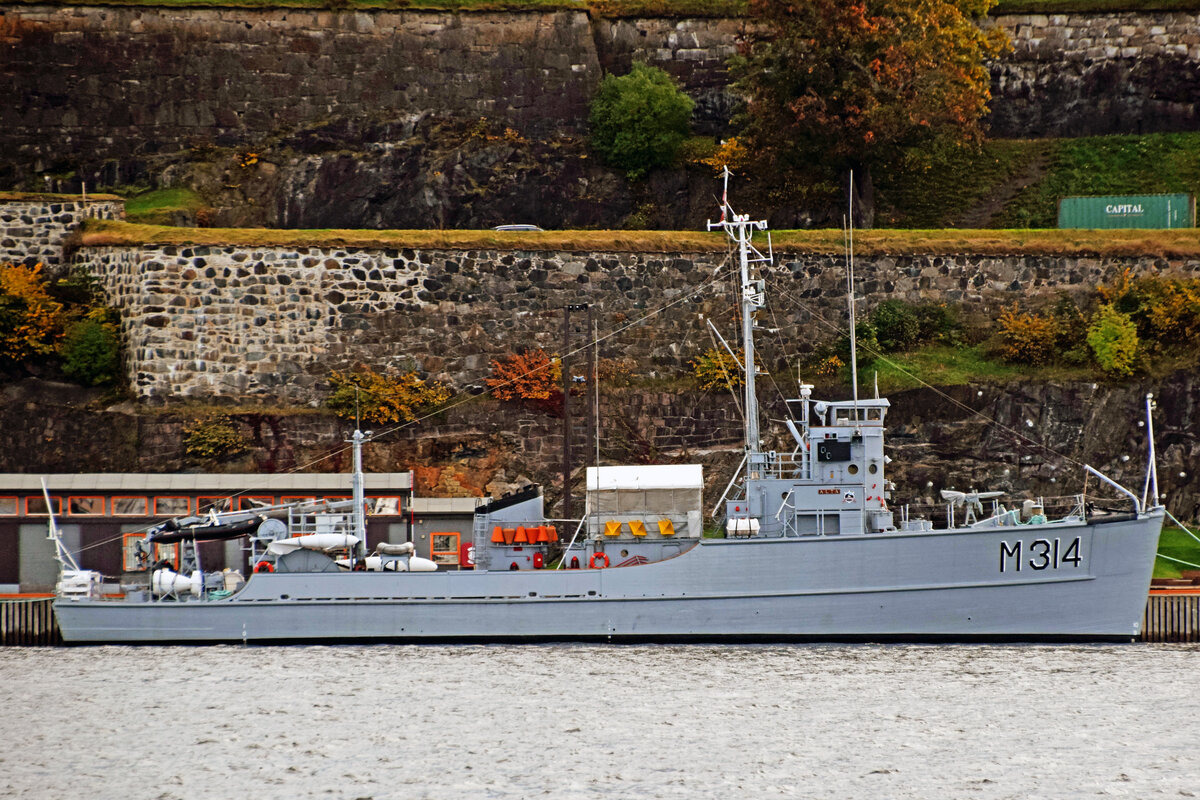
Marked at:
<point>639,120</point>
<point>1114,341</point>
<point>834,86</point>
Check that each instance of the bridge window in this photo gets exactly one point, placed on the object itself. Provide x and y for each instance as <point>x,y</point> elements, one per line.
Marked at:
<point>8,506</point>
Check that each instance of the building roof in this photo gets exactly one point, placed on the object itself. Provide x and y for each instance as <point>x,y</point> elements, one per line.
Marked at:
<point>445,505</point>
<point>658,476</point>
<point>163,483</point>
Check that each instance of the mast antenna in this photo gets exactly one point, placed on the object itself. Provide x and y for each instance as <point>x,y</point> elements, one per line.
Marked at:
<point>740,228</point>
<point>850,295</point>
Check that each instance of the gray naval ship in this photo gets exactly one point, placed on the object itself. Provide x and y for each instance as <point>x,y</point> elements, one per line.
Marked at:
<point>812,550</point>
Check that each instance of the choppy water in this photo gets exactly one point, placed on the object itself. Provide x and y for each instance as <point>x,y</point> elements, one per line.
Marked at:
<point>576,721</point>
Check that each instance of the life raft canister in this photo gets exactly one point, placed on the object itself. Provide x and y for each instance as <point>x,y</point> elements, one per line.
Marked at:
<point>264,566</point>
<point>598,558</point>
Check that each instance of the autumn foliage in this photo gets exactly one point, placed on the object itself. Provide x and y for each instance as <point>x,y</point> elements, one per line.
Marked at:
<point>30,319</point>
<point>1026,338</point>
<point>848,84</point>
<point>383,398</point>
<point>530,375</point>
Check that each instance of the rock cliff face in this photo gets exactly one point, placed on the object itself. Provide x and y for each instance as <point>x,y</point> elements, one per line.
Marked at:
<point>1023,439</point>
<point>356,113</point>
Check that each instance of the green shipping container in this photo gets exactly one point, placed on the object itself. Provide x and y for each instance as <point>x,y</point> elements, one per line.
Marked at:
<point>1128,211</point>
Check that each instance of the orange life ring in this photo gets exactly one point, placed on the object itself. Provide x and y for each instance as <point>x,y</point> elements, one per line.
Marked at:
<point>597,557</point>
<point>264,566</point>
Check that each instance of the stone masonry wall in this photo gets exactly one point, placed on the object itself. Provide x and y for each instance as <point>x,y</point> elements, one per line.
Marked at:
<point>1087,74</point>
<point>100,89</point>
<point>270,323</point>
<point>32,231</point>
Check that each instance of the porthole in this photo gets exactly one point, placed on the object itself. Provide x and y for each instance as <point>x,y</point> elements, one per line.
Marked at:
<point>624,553</point>
<point>852,469</point>
<point>872,468</point>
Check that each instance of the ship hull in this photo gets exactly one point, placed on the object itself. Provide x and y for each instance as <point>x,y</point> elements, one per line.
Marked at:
<point>1056,581</point>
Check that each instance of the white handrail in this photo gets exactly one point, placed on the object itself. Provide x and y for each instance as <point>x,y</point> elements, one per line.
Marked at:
<point>1137,506</point>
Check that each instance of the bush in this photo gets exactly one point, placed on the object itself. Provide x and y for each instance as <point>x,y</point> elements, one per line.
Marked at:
<point>1027,338</point>
<point>717,369</point>
<point>91,351</point>
<point>532,375</point>
<point>383,398</point>
<point>937,322</point>
<point>212,437</point>
<point>1114,341</point>
<point>639,120</point>
<point>866,340</point>
<point>896,325</point>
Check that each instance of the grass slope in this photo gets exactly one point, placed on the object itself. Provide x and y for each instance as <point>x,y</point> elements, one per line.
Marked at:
<point>1018,182</point>
<point>1176,544</point>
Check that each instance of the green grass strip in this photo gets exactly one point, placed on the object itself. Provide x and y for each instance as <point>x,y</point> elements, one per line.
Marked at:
<point>1179,242</point>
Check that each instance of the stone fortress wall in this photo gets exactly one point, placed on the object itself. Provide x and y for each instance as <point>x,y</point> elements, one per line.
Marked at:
<point>191,78</point>
<point>33,231</point>
<point>272,323</point>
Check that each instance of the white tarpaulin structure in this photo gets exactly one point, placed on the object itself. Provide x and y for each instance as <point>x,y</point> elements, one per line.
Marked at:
<point>646,494</point>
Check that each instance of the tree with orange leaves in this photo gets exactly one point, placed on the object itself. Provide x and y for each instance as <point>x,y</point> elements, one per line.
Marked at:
<point>30,319</point>
<point>834,86</point>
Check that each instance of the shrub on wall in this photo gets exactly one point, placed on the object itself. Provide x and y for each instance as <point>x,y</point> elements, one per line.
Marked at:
<point>1026,338</point>
<point>896,325</point>
<point>717,369</point>
<point>531,375</point>
<point>212,437</point>
<point>91,349</point>
<point>1114,341</point>
<point>383,398</point>
<point>639,120</point>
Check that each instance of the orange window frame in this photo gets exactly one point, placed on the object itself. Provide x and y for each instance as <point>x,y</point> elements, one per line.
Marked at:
<point>145,512</point>
<point>71,512</point>
<point>440,556</point>
<point>245,502</point>
<point>165,512</point>
<point>372,502</point>
<point>222,503</point>
<point>297,498</point>
<point>170,552</point>
<point>129,561</point>
<point>55,501</point>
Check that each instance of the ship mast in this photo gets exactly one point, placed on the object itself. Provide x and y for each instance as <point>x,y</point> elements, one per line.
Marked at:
<point>740,228</point>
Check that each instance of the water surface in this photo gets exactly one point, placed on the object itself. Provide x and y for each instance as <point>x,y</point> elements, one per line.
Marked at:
<point>583,721</point>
